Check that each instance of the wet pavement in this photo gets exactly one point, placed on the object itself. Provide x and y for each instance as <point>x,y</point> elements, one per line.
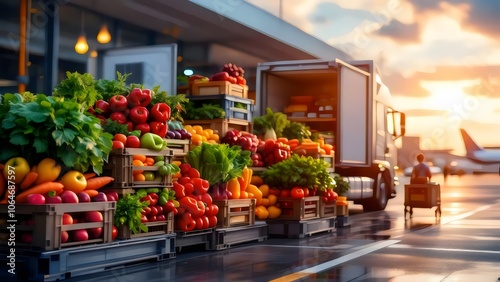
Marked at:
<point>462,245</point>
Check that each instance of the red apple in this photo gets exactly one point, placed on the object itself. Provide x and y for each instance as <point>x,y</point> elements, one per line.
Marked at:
<point>69,197</point>
<point>94,233</point>
<point>80,235</point>
<point>64,236</point>
<point>93,216</point>
<point>133,142</point>
<point>67,219</point>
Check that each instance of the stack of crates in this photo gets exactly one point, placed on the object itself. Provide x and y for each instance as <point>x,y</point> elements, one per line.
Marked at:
<point>238,112</point>
<point>121,167</point>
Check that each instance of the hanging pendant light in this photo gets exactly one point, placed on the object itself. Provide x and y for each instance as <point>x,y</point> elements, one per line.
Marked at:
<point>104,36</point>
<point>81,46</point>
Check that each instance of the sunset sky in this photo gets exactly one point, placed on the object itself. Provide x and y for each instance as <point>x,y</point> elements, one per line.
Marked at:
<point>441,59</point>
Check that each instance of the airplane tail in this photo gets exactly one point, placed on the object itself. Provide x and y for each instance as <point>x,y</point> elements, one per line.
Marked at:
<point>470,145</point>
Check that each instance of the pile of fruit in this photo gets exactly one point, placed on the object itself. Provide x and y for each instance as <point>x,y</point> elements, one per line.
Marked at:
<point>158,164</point>
<point>200,134</point>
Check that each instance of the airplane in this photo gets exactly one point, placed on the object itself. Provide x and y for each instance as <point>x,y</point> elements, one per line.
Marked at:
<point>478,154</point>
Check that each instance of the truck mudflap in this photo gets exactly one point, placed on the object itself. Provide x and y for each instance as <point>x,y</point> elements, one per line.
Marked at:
<point>360,187</point>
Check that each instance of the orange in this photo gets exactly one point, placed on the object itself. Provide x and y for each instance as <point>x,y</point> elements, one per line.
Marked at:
<point>198,129</point>
<point>137,163</point>
<point>139,177</point>
<point>149,161</point>
<point>141,158</point>
<point>214,137</point>
<point>196,139</point>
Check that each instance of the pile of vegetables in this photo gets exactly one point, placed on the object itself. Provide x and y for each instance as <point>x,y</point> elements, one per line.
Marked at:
<point>52,126</point>
<point>299,171</point>
<point>218,163</point>
<point>274,125</point>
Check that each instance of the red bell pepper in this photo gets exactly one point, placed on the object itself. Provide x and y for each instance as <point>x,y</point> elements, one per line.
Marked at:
<point>139,114</point>
<point>118,117</point>
<point>200,186</point>
<point>196,208</point>
<point>185,222</point>
<point>143,127</point>
<point>138,97</point>
<point>160,112</point>
<point>179,190</point>
<point>158,128</point>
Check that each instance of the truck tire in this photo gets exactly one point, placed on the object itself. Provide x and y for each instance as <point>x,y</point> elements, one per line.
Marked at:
<point>379,201</point>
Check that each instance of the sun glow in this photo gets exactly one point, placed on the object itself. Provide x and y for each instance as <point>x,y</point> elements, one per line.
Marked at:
<point>446,94</point>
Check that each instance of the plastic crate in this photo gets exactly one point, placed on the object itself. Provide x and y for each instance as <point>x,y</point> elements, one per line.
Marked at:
<point>44,222</point>
<point>222,126</point>
<point>120,167</point>
<point>228,103</point>
<point>224,238</point>
<point>298,209</point>
<point>327,209</point>
<point>154,228</point>
<point>235,212</point>
<point>219,87</point>
<point>301,228</point>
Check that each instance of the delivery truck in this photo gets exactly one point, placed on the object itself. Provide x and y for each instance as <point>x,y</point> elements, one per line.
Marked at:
<point>348,105</point>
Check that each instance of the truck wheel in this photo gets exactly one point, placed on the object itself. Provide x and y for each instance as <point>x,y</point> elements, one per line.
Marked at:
<point>379,201</point>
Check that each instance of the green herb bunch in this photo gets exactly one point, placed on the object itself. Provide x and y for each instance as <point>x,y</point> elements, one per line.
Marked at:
<point>218,163</point>
<point>299,171</point>
<point>341,186</point>
<point>206,111</point>
<point>53,127</point>
<point>128,212</point>
<point>109,88</point>
<point>79,88</point>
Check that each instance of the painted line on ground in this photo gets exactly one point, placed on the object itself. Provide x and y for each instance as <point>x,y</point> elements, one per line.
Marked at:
<point>403,246</point>
<point>329,264</point>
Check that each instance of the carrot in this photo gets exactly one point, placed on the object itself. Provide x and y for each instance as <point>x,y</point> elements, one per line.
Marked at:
<point>39,189</point>
<point>89,175</point>
<point>28,180</point>
<point>98,182</point>
<point>91,193</point>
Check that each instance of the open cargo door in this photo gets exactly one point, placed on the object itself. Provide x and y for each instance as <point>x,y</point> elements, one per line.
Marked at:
<point>148,65</point>
<point>353,147</point>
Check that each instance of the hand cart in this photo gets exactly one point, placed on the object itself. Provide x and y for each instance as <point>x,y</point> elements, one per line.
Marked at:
<point>423,196</point>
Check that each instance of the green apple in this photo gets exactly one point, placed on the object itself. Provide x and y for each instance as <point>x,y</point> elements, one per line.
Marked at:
<point>159,158</point>
<point>149,175</point>
<point>16,169</point>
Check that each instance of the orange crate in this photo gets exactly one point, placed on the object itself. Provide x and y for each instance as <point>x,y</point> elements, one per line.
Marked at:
<point>222,126</point>
<point>235,212</point>
<point>44,223</point>
<point>154,228</point>
<point>298,209</point>
<point>120,167</point>
<point>219,87</point>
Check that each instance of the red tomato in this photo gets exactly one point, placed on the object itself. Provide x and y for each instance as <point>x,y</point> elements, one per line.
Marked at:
<point>206,222</point>
<point>306,192</point>
<point>199,223</point>
<point>114,232</point>
<point>285,193</point>
<point>212,221</point>
<point>120,137</point>
<point>154,211</point>
<point>212,210</point>
<point>297,192</point>
<point>118,145</point>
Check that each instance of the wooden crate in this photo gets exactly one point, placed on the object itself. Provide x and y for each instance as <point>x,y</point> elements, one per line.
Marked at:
<point>120,167</point>
<point>298,209</point>
<point>343,210</point>
<point>222,126</point>
<point>154,228</point>
<point>219,87</point>
<point>44,224</point>
<point>179,147</point>
<point>327,209</point>
<point>235,212</point>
